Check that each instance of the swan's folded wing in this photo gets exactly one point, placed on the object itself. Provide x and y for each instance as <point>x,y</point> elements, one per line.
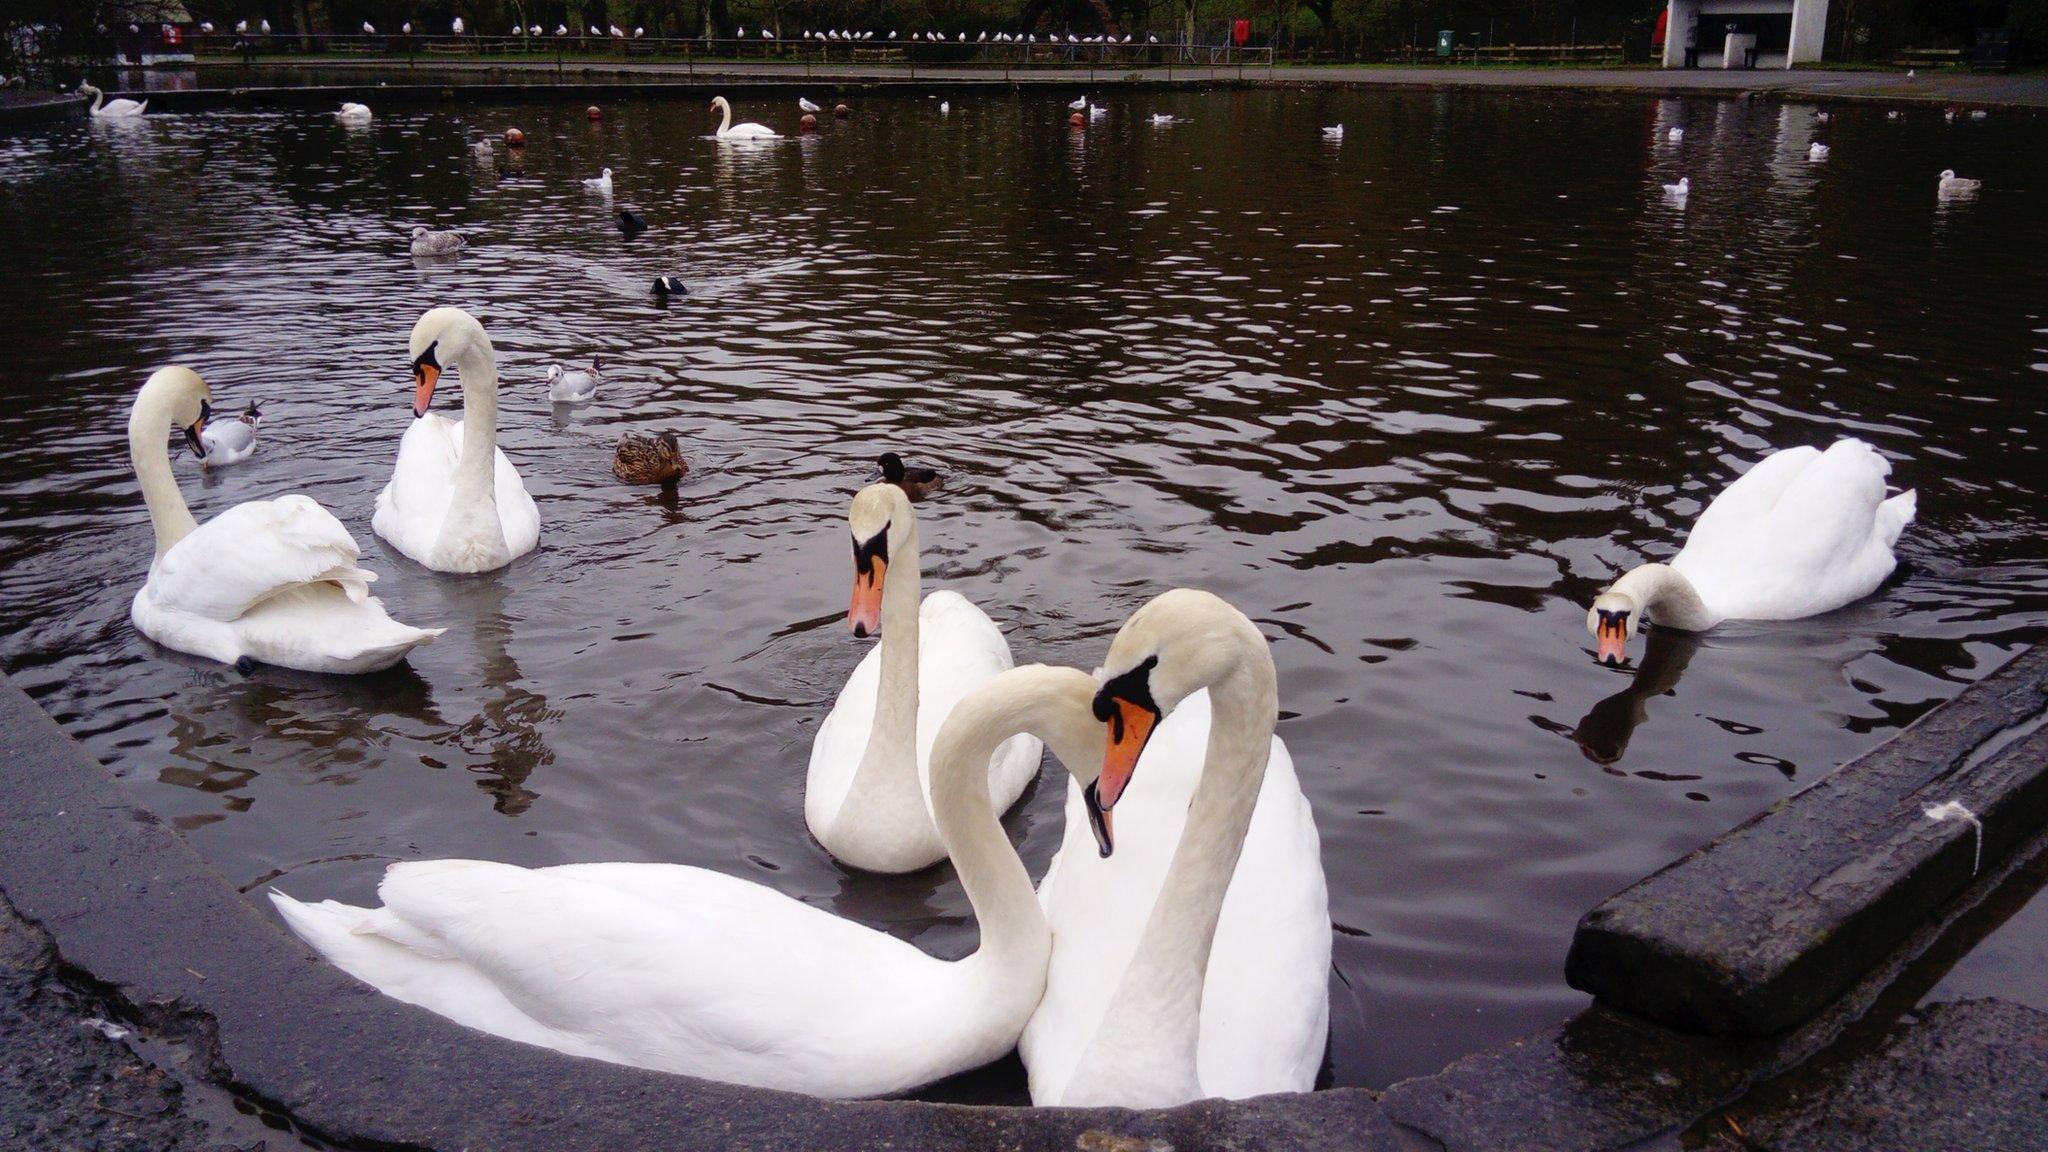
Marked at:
<point>255,551</point>
<point>959,649</point>
<point>1733,514</point>
<point>1828,517</point>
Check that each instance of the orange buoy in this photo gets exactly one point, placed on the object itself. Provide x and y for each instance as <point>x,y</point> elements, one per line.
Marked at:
<point>1078,120</point>
<point>514,138</point>
<point>841,111</point>
<point>594,112</point>
<point>809,123</point>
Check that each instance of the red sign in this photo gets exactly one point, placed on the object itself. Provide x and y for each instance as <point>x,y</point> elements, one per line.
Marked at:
<point>1240,31</point>
<point>173,35</point>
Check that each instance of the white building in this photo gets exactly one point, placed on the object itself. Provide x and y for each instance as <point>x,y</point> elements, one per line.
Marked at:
<point>1743,33</point>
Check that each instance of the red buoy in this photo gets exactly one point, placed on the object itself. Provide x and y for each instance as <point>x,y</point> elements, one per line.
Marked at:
<point>1078,120</point>
<point>809,123</point>
<point>841,111</point>
<point>594,112</point>
<point>514,138</point>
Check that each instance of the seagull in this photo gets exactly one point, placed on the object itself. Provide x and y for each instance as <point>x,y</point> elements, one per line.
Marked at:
<point>1680,190</point>
<point>1161,120</point>
<point>135,28</point>
<point>1080,105</point>
<point>981,39</point>
<point>266,27</point>
<point>617,31</point>
<point>483,151</point>
<point>739,34</point>
<point>406,28</point>
<point>1334,132</point>
<point>1675,135</point>
<point>962,38</point>
<point>1953,185</point>
<point>944,107</point>
<point>594,31</point>
<point>767,35</point>
<point>1822,117</point>
<point>1949,117</point>
<point>1819,151</point>
<point>427,242</point>
<point>805,104</point>
<point>457,26</point>
<point>892,33</point>
<point>1151,39</point>
<point>1097,111</point>
<point>518,31</point>
<point>368,30</point>
<point>638,31</point>
<point>1892,115</point>
<point>561,29</point>
<point>242,26</point>
<point>1126,39</point>
<point>601,183</point>
<point>1978,114</point>
<point>206,26</point>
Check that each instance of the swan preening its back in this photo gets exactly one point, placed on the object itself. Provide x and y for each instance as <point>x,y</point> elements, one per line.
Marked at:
<point>264,582</point>
<point>1801,533</point>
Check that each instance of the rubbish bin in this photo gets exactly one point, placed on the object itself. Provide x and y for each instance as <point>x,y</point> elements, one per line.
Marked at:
<point>1446,42</point>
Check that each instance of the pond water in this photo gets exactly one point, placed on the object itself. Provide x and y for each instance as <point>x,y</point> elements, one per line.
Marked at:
<point>1408,400</point>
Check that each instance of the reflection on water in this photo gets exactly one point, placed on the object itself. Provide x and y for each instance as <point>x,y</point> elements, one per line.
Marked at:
<point>1409,400</point>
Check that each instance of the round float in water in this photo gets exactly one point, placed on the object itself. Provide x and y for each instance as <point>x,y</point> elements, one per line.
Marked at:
<point>514,138</point>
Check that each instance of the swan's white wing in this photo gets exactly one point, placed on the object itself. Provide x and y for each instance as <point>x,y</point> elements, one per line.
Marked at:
<point>414,502</point>
<point>255,551</point>
<point>1740,506</point>
<point>960,649</point>
<point>841,741</point>
<point>517,512</point>
<point>660,966</point>
<point>1265,1000</point>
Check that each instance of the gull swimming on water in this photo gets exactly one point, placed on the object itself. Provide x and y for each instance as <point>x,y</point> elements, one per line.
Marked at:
<point>1953,186</point>
<point>427,242</point>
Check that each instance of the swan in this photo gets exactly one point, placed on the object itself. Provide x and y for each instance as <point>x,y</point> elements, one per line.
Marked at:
<point>1818,152</point>
<point>266,581</point>
<point>865,793</point>
<point>112,109</point>
<point>1954,185</point>
<point>231,441</point>
<point>805,105</point>
<point>1801,533</point>
<point>454,502</point>
<point>601,183</point>
<point>727,130</point>
<point>353,114</point>
<point>574,385</point>
<point>1196,962</point>
<point>709,975</point>
<point>1334,132</point>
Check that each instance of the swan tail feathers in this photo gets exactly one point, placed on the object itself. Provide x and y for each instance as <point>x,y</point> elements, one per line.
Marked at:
<point>1894,514</point>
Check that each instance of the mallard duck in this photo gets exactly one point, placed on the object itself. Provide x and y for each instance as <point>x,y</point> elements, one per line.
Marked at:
<point>917,483</point>
<point>649,459</point>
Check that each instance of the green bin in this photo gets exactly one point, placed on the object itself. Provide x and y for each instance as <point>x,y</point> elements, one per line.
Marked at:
<point>1446,41</point>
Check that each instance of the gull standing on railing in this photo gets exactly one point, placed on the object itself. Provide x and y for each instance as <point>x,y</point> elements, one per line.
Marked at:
<point>457,25</point>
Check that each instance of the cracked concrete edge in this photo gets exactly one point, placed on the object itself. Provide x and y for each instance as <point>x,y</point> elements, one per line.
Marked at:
<point>135,915</point>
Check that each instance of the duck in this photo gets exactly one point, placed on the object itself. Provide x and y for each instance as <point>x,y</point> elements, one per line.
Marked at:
<point>601,183</point>
<point>574,385</point>
<point>1817,152</point>
<point>1334,132</point>
<point>713,976</point>
<point>264,582</point>
<point>353,114</point>
<point>1953,185</point>
<point>1803,532</point>
<point>427,242</point>
<point>865,792</point>
<point>630,223</point>
<point>454,502</point>
<point>805,105</point>
<point>917,483</point>
<point>1194,963</point>
<point>727,130</point>
<point>656,459</point>
<point>231,441</point>
<point>1680,190</point>
<point>118,109</point>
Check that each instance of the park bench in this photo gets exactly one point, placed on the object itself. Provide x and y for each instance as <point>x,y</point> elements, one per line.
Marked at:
<point>1928,57</point>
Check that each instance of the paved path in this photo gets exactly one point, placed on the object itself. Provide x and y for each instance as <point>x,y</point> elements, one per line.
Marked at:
<point>1943,87</point>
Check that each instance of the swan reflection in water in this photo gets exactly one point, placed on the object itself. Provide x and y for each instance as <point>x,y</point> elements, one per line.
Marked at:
<point>1604,733</point>
<point>504,739</point>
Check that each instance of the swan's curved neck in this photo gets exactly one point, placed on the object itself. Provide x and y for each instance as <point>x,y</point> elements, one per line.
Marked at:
<point>1144,1052</point>
<point>97,96</point>
<point>473,503</point>
<point>724,118</point>
<point>1664,595</point>
<point>150,453</point>
<point>887,775</point>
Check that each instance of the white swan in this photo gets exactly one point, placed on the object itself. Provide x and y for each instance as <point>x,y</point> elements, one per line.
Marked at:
<point>267,581</point>
<point>454,502</point>
<point>112,109</point>
<point>866,792</point>
<point>1183,967</point>
<point>727,130</point>
<point>231,441</point>
<point>601,184</point>
<point>687,970</point>
<point>1801,533</point>
<point>574,385</point>
<point>353,114</point>
<point>1953,186</point>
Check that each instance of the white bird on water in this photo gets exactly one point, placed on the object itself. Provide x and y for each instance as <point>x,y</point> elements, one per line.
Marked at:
<point>805,104</point>
<point>1953,186</point>
<point>1680,190</point>
<point>1080,105</point>
<point>231,441</point>
<point>601,183</point>
<point>1819,151</point>
<point>574,385</point>
<point>1161,120</point>
<point>1334,133</point>
<point>112,109</point>
<point>1097,112</point>
<point>352,113</point>
<point>1675,135</point>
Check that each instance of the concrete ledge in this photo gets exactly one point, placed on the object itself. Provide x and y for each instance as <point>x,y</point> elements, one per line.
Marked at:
<point>1765,925</point>
<point>18,109</point>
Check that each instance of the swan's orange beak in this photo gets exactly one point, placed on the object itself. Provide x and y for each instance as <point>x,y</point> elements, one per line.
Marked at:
<point>1613,639</point>
<point>1130,726</point>
<point>865,616</point>
<point>424,376</point>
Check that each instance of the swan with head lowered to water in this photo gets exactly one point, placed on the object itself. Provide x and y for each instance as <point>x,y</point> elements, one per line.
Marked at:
<point>727,130</point>
<point>1801,533</point>
<point>692,971</point>
<point>1196,962</point>
<point>865,794</point>
<point>264,582</point>
<point>454,502</point>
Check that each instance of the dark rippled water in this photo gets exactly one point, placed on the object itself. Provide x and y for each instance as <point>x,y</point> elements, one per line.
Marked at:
<point>1408,401</point>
